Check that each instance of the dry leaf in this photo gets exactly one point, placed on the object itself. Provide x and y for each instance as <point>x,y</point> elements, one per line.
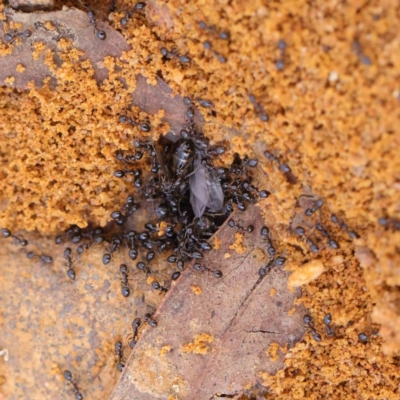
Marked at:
<point>218,339</point>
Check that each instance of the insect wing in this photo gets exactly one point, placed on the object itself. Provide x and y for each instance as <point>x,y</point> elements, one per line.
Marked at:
<point>205,190</point>
<point>198,188</point>
<point>216,195</point>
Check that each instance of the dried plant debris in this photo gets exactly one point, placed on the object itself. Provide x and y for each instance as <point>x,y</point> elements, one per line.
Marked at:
<point>217,340</point>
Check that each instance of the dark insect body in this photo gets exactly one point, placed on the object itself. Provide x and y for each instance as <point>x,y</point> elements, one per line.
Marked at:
<point>352,234</point>
<point>235,225</point>
<point>124,280</point>
<point>11,36</point>
<point>157,286</point>
<point>309,322</point>
<point>136,10</point>
<point>263,271</point>
<point>120,356</point>
<point>74,387</point>
<point>202,268</point>
<point>259,109</point>
<point>191,197</point>
<point>150,320</point>
<point>175,275</point>
<point>170,54</point>
<point>17,240</point>
<point>69,265</point>
<point>133,337</point>
<point>101,35</point>
<point>216,34</point>
<point>363,337</point>
<point>327,321</point>
<point>389,223</point>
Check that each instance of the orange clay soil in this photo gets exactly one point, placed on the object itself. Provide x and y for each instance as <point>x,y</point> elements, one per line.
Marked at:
<point>333,104</point>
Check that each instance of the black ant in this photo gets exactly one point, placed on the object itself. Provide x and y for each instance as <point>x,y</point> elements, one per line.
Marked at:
<point>387,222</point>
<point>309,322</point>
<point>141,266</point>
<point>259,110</point>
<point>310,211</point>
<point>92,19</point>
<point>344,226</point>
<point>359,51</point>
<point>265,270</point>
<point>175,275</point>
<point>331,242</point>
<point>113,6</point>
<point>144,127</point>
<point>128,208</point>
<point>167,55</point>
<point>265,234</point>
<point>115,243</point>
<point>94,236</point>
<point>234,224</point>
<point>150,320</point>
<point>205,104</point>
<point>43,257</point>
<point>120,354</point>
<point>127,159</point>
<point>134,335</point>
<point>130,238</point>
<point>70,270</point>
<point>363,337</point>
<point>17,240</point>
<point>11,37</point>
<point>74,233</point>
<point>282,47</point>
<point>327,321</point>
<point>120,216</point>
<point>75,390</point>
<point>124,280</point>
<point>157,286</point>
<point>138,7</point>
<point>224,35</point>
<point>202,268</point>
<point>313,246</point>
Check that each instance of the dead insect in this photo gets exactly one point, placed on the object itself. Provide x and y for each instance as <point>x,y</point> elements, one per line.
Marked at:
<point>205,189</point>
